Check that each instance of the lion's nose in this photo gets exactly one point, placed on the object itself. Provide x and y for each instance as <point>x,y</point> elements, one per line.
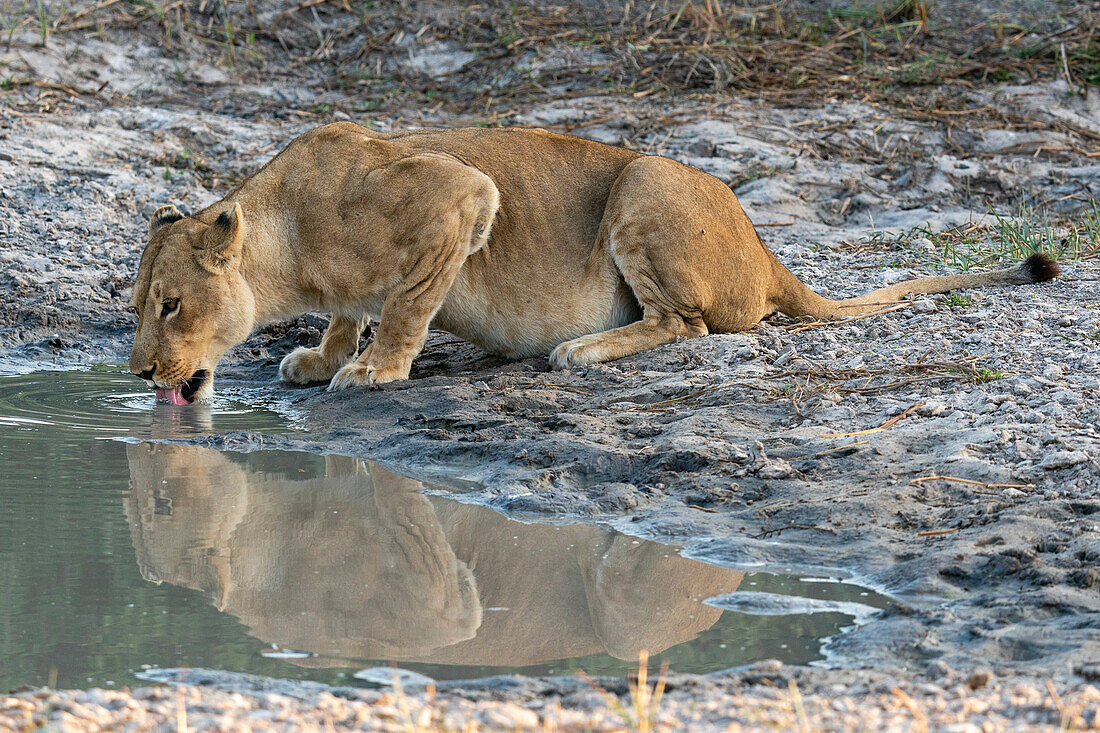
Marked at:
<point>147,374</point>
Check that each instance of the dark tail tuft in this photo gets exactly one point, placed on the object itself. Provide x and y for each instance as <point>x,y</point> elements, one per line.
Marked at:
<point>1040,267</point>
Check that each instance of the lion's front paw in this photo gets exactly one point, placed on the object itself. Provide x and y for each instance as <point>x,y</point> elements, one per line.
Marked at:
<point>575,353</point>
<point>306,366</point>
<point>357,375</point>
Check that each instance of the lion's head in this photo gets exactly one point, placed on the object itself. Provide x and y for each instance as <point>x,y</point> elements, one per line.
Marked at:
<point>192,303</point>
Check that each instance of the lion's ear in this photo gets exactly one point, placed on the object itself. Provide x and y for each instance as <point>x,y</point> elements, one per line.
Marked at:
<point>221,244</point>
<point>163,215</point>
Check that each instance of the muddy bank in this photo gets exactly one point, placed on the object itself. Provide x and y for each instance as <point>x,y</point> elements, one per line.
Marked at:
<point>794,445</point>
<point>748,448</point>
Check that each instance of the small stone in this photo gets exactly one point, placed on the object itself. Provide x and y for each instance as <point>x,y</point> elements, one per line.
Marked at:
<point>738,454</point>
<point>1063,459</point>
<point>387,676</point>
<point>508,717</point>
<point>1090,671</point>
<point>767,666</point>
<point>980,678</point>
<point>775,468</point>
<point>924,305</point>
<point>937,669</point>
<point>784,356</point>
<point>1025,451</point>
<point>932,408</point>
<point>961,728</point>
<point>1054,371</point>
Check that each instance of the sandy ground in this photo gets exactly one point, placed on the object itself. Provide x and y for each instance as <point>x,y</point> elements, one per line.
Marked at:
<point>793,446</point>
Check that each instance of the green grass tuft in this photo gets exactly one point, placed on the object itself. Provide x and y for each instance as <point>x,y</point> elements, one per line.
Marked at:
<point>983,375</point>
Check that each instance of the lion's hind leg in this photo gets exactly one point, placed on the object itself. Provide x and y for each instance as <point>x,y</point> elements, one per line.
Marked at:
<point>654,227</point>
<point>650,332</point>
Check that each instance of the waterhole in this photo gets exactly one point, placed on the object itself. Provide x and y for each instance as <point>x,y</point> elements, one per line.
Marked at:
<point>119,553</point>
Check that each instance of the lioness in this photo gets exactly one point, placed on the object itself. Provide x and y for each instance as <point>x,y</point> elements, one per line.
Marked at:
<point>521,241</point>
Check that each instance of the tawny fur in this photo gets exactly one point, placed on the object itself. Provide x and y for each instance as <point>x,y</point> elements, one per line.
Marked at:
<point>521,241</point>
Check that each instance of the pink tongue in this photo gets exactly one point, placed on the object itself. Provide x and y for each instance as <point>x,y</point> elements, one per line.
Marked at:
<point>171,396</point>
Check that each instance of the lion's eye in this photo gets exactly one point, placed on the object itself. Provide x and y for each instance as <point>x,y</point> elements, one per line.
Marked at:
<point>169,306</point>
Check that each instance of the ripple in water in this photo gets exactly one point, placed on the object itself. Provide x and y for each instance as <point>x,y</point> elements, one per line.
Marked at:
<point>108,402</point>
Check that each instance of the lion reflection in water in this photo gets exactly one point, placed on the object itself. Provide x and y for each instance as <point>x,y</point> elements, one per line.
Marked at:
<point>361,565</point>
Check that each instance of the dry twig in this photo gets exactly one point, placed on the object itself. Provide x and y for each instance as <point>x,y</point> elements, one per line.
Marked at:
<point>971,481</point>
<point>888,424</point>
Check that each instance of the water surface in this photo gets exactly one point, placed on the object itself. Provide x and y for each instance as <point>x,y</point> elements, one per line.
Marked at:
<point>120,555</point>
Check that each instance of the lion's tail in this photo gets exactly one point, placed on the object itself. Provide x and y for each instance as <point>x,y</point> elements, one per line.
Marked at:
<point>792,297</point>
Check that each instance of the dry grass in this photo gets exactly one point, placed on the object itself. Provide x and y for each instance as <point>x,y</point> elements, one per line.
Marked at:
<point>803,383</point>
<point>895,54</point>
<point>640,716</point>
